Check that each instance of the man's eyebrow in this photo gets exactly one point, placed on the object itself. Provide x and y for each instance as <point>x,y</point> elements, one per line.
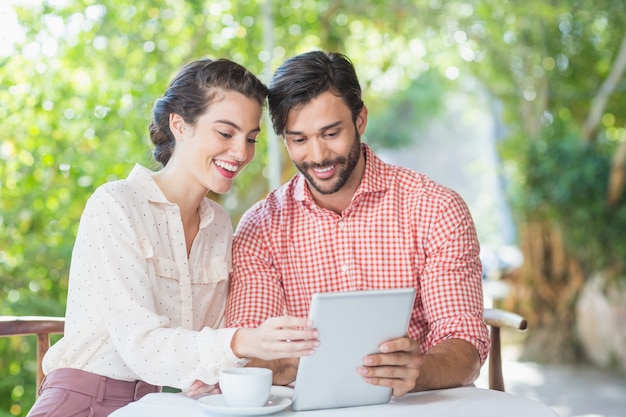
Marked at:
<point>321,129</point>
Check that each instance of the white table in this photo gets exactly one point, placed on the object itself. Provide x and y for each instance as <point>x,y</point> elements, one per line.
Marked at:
<point>457,402</point>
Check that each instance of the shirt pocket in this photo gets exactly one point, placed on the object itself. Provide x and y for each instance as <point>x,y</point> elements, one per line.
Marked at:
<point>210,271</point>
<point>160,266</point>
<point>165,268</point>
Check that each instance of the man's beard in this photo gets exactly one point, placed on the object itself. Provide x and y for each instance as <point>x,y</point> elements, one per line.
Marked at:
<point>348,163</point>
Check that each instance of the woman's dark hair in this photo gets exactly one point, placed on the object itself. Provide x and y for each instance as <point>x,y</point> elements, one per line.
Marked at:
<point>190,94</point>
<point>302,78</point>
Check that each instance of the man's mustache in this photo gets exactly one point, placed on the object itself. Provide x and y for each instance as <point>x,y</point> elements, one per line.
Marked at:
<point>323,164</point>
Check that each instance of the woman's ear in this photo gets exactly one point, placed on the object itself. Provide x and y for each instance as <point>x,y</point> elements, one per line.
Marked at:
<point>177,125</point>
<point>361,120</point>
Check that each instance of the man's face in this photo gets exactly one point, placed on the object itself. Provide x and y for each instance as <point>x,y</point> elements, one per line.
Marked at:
<point>324,143</point>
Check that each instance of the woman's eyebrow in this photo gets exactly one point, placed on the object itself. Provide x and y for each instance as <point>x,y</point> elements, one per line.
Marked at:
<point>228,122</point>
<point>235,125</point>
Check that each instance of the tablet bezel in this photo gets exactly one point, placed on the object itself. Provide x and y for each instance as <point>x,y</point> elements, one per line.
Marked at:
<point>352,324</point>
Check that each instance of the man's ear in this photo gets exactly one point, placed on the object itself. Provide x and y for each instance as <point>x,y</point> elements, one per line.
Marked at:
<point>177,125</point>
<point>361,120</point>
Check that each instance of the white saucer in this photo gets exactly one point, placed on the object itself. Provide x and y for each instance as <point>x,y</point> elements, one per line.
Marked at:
<point>280,398</point>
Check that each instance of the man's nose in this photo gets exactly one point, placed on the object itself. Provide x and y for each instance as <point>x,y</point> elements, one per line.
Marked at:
<point>317,150</point>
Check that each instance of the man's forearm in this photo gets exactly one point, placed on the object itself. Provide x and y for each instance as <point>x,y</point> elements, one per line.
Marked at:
<point>451,363</point>
<point>284,369</point>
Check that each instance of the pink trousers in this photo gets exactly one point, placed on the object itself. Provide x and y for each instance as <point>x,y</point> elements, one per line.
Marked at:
<point>74,393</point>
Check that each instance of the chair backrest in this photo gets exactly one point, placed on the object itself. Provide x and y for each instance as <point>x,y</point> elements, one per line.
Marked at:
<point>497,319</point>
<point>43,327</point>
<point>40,326</point>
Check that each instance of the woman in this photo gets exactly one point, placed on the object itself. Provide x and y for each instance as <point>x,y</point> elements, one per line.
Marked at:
<point>150,265</point>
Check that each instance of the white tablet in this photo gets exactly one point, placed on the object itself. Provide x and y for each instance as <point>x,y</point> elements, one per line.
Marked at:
<point>352,324</point>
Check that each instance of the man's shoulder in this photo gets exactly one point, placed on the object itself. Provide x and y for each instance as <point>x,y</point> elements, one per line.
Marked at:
<point>417,183</point>
<point>276,202</point>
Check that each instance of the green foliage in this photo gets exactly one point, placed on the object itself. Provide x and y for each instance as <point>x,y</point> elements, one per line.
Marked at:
<point>546,62</point>
<point>393,122</point>
<point>75,104</point>
<point>538,57</point>
<point>77,90</point>
<point>75,100</point>
<point>566,181</point>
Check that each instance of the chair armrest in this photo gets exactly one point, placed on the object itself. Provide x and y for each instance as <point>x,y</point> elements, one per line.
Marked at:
<point>28,325</point>
<point>501,318</point>
<point>497,319</point>
<point>40,326</point>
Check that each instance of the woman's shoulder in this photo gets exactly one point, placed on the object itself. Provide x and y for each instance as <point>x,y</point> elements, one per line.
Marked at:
<point>116,195</point>
<point>118,189</point>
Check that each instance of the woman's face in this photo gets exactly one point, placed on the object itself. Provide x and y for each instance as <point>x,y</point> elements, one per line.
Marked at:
<point>222,142</point>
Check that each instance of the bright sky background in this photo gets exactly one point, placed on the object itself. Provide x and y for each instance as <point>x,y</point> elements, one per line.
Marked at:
<point>10,31</point>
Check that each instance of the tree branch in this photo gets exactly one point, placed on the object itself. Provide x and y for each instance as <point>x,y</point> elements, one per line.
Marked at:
<point>617,175</point>
<point>607,87</point>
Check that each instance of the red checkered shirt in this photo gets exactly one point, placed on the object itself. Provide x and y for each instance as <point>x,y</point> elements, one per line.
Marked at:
<point>400,230</point>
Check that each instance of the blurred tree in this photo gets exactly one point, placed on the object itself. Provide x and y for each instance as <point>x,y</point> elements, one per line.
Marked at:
<point>75,102</point>
<point>558,69</point>
<point>78,81</point>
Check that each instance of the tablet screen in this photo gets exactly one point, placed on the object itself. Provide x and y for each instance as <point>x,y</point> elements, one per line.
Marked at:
<point>352,324</point>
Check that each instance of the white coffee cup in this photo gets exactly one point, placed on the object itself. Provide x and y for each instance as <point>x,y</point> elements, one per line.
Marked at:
<point>246,387</point>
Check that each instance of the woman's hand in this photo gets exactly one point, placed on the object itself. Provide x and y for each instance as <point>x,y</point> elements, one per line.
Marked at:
<point>277,338</point>
<point>200,388</point>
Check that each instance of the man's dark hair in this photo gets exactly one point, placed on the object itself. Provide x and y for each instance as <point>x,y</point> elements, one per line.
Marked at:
<point>303,77</point>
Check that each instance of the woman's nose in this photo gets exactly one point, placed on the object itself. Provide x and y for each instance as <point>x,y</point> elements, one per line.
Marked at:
<point>239,150</point>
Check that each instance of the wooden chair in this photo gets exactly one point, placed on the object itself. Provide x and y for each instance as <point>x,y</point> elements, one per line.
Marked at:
<point>497,319</point>
<point>43,327</point>
<point>40,326</point>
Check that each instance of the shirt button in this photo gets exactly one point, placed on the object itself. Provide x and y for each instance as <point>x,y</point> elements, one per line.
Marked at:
<point>342,224</point>
<point>344,268</point>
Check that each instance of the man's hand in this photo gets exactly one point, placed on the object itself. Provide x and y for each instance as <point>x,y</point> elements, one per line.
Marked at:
<point>397,366</point>
<point>451,363</point>
<point>284,370</point>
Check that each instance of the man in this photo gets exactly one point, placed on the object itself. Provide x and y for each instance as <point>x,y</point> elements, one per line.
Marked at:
<point>349,221</point>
